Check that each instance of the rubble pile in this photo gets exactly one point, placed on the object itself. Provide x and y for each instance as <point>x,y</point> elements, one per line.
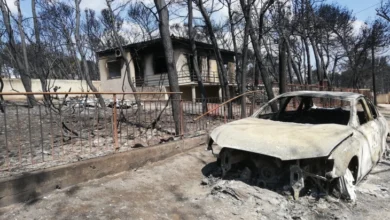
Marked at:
<point>253,202</point>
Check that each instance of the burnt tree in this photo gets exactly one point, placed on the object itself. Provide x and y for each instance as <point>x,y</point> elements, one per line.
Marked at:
<point>169,59</point>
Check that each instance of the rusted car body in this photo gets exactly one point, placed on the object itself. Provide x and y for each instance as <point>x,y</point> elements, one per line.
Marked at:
<point>307,137</point>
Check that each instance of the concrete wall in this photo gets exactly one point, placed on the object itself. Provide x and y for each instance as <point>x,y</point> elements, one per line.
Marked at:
<point>32,185</point>
<point>231,72</point>
<point>213,70</point>
<point>115,85</point>
<point>203,69</point>
<point>383,98</point>
<point>10,85</point>
<point>182,66</point>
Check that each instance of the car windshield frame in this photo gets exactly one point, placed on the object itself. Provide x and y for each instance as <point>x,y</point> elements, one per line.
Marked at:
<point>282,102</point>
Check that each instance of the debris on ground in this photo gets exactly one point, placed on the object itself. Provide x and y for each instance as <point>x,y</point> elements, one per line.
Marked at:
<point>169,190</point>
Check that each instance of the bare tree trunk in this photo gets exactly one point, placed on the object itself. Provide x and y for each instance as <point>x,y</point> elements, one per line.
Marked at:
<point>82,55</point>
<point>323,65</point>
<point>119,44</point>
<point>270,58</point>
<point>336,59</point>
<point>25,73</point>
<point>233,34</point>
<point>244,65</point>
<point>39,66</point>
<point>293,64</point>
<point>373,72</point>
<point>256,46</point>
<point>295,68</point>
<point>282,66</point>
<point>289,69</point>
<point>1,90</point>
<point>169,58</point>
<point>222,73</point>
<point>195,58</point>
<point>318,60</point>
<point>309,74</point>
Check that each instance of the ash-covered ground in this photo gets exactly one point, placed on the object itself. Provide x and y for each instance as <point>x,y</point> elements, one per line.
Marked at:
<point>179,188</point>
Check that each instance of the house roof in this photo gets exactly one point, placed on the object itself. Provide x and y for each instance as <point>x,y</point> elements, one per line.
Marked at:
<point>175,40</point>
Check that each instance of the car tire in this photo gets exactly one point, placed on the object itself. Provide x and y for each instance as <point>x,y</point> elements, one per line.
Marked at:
<point>347,186</point>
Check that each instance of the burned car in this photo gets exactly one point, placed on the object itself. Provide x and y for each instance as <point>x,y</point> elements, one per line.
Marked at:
<point>309,138</point>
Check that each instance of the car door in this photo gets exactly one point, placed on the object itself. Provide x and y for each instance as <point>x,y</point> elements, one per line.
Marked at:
<point>369,151</point>
<point>379,129</point>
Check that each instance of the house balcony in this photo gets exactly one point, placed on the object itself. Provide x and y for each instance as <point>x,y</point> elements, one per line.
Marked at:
<point>184,78</point>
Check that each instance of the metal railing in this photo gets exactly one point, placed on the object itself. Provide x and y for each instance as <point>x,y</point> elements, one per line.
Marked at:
<point>75,127</point>
<point>183,77</point>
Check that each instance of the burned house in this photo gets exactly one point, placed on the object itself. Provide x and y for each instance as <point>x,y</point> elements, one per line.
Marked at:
<point>148,68</point>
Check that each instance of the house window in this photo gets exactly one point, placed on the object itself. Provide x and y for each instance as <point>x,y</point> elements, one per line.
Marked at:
<point>160,65</point>
<point>114,69</point>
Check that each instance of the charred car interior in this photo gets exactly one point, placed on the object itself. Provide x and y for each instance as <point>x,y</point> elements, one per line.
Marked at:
<point>303,142</point>
<point>306,109</point>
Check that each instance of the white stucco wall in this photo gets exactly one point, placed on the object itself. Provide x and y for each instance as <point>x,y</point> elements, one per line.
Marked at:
<point>115,85</point>
<point>213,71</point>
<point>182,66</point>
<point>15,85</point>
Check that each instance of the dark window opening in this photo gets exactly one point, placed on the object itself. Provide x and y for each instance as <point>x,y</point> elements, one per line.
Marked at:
<point>114,69</point>
<point>190,62</point>
<point>191,65</point>
<point>160,65</point>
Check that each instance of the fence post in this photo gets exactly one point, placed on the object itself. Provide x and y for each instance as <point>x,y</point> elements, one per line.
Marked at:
<point>114,124</point>
<point>224,113</point>
<point>181,118</point>
<point>253,102</point>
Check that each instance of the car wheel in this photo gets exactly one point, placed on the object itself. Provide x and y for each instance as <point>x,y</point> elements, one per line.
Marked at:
<point>347,186</point>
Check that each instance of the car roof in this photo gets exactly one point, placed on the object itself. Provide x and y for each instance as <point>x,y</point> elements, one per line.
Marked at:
<point>349,96</point>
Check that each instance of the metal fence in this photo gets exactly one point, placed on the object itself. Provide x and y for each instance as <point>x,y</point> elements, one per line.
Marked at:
<point>74,126</point>
<point>70,127</point>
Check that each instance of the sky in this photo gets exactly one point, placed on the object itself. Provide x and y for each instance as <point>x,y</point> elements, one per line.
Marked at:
<point>363,9</point>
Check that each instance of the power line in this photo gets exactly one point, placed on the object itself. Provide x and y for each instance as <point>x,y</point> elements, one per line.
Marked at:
<point>367,8</point>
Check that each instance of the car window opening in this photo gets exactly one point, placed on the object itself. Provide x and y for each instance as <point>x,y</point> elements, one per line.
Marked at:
<point>308,110</point>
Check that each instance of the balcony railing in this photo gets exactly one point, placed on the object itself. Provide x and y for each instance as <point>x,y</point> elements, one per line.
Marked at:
<point>183,77</point>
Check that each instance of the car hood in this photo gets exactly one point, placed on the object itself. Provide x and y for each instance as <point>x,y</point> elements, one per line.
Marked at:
<point>287,141</point>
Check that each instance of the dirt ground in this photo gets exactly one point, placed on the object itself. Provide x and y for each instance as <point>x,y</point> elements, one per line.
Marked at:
<point>176,188</point>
